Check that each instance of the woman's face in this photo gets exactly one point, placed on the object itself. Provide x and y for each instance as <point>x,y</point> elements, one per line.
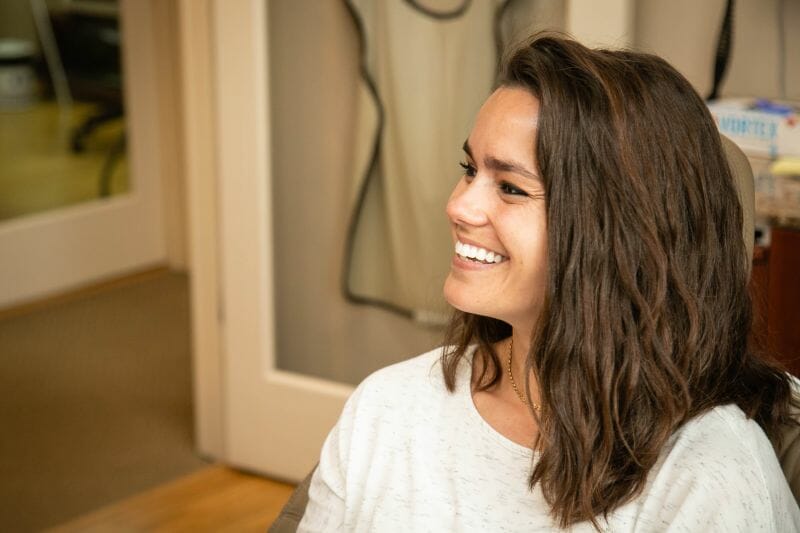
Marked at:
<point>497,209</point>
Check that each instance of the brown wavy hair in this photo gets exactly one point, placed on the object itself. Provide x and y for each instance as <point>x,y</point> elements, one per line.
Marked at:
<point>647,312</point>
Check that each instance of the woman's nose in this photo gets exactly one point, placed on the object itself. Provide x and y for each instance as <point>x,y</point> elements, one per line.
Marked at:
<point>467,204</point>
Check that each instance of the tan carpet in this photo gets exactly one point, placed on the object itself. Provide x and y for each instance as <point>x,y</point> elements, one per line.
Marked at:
<point>95,402</point>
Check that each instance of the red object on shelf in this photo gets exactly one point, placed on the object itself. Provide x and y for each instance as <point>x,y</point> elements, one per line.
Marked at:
<point>775,289</point>
<point>759,286</point>
<point>783,297</point>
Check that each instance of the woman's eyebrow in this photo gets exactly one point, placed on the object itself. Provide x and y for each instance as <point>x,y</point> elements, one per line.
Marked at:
<point>502,165</point>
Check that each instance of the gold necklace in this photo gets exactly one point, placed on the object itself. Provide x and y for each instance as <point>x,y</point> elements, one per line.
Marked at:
<point>521,396</point>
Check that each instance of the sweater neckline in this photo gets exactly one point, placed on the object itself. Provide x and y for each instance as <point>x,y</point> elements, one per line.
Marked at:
<point>465,390</point>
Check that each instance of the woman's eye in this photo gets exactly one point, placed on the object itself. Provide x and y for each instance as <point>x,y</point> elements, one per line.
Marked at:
<point>469,170</point>
<point>507,188</point>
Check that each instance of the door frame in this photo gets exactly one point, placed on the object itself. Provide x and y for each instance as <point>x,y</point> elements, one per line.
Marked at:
<point>199,157</point>
<point>228,169</point>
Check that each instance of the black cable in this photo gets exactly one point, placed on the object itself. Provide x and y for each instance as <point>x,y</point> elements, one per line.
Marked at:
<point>723,50</point>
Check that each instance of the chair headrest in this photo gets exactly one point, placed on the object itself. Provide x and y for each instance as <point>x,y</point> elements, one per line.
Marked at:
<point>743,176</point>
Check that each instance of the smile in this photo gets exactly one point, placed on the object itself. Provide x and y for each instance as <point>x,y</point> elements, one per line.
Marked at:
<point>477,254</point>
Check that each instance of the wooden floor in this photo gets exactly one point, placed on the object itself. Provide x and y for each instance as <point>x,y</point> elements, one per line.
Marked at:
<point>216,498</point>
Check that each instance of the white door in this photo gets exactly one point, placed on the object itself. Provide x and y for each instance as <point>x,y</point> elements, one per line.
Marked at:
<point>250,411</point>
<point>273,421</point>
<point>72,246</point>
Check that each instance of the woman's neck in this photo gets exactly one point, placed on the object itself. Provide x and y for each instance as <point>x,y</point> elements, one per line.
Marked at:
<point>519,344</point>
<point>499,406</point>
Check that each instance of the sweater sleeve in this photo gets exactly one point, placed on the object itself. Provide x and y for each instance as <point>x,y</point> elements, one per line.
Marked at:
<point>326,494</point>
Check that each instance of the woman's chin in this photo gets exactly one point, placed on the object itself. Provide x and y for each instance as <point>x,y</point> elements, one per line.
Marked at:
<point>452,293</point>
<point>461,299</point>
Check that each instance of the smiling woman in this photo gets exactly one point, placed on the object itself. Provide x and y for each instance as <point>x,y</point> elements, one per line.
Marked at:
<point>599,259</point>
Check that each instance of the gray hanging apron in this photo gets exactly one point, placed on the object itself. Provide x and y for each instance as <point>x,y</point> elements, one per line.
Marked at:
<point>426,68</point>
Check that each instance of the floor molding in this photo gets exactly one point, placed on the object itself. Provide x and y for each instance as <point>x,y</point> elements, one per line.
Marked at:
<point>83,292</point>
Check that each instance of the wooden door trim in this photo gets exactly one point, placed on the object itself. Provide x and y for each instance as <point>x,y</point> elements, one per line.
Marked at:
<point>197,78</point>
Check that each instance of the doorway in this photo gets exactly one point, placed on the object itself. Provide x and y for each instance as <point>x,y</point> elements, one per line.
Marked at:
<point>92,320</point>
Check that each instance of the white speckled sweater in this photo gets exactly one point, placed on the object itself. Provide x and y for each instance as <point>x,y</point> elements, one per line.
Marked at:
<point>407,455</point>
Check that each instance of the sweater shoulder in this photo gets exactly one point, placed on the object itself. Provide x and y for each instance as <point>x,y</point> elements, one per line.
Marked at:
<point>389,399</point>
<point>722,441</point>
<point>421,371</point>
<point>726,431</point>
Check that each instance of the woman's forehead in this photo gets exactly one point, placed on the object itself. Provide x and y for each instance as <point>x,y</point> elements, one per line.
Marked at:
<point>505,127</point>
<point>510,102</point>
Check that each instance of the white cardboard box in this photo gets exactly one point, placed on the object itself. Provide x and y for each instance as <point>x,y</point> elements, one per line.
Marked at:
<point>758,133</point>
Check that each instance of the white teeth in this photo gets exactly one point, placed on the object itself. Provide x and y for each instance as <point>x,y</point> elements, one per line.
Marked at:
<point>479,254</point>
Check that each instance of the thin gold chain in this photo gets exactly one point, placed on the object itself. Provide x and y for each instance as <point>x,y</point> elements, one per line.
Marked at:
<point>521,396</point>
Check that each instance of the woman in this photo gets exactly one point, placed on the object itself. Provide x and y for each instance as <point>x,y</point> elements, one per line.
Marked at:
<point>597,373</point>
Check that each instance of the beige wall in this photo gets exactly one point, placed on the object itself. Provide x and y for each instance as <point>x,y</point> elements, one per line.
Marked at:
<point>166,32</point>
<point>685,33</point>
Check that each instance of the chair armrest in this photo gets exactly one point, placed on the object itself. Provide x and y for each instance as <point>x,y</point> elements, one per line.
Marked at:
<point>291,514</point>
